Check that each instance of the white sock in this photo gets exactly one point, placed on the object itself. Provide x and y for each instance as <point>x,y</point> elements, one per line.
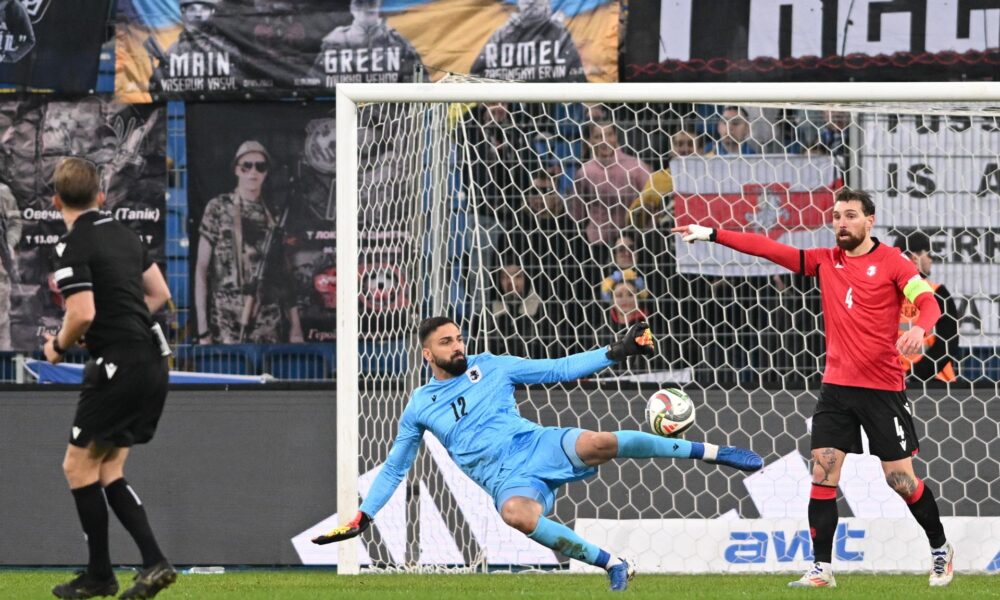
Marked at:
<point>711,451</point>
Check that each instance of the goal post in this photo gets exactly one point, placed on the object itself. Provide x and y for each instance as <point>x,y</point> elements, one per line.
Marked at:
<point>347,385</point>
<point>718,93</point>
<point>553,204</point>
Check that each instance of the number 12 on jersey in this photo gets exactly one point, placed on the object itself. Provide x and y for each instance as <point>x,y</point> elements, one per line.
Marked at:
<point>458,407</point>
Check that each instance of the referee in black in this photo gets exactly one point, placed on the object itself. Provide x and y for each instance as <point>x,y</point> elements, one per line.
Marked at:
<point>111,288</point>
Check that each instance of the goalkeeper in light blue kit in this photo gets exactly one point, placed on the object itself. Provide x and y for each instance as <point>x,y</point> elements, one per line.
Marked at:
<point>469,406</point>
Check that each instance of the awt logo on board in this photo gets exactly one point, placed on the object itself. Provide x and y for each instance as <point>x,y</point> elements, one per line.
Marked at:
<point>752,546</point>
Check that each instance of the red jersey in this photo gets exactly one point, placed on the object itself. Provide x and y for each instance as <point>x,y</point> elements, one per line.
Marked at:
<point>862,296</point>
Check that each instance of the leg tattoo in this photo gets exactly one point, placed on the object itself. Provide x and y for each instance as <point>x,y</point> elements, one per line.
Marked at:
<point>902,483</point>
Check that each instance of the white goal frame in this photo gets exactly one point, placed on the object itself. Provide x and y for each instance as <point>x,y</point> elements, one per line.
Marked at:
<point>351,95</point>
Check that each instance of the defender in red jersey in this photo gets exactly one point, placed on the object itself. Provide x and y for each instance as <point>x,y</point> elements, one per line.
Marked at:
<point>862,284</point>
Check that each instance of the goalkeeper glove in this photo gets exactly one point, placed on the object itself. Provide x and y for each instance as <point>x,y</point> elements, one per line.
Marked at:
<point>638,339</point>
<point>360,522</point>
<point>696,233</point>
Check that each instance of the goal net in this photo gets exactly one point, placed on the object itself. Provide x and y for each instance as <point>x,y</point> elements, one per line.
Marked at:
<point>539,216</point>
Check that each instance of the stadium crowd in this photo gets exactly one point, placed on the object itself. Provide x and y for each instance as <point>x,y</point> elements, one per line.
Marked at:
<point>579,218</point>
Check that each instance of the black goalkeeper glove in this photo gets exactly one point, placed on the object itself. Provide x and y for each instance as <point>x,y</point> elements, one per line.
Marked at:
<point>345,532</point>
<point>638,339</point>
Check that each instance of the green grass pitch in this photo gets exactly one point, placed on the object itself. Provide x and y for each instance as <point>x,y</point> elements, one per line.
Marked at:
<point>304,583</point>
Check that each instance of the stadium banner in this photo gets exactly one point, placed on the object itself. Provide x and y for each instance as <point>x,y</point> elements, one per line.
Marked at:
<point>941,175</point>
<point>787,198</point>
<point>47,45</point>
<point>128,145</point>
<point>776,545</point>
<point>261,221</point>
<point>810,40</point>
<point>217,49</point>
<point>262,229</point>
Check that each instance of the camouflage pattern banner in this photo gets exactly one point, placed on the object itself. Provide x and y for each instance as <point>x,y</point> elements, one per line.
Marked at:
<point>262,223</point>
<point>50,45</point>
<point>217,49</point>
<point>261,228</point>
<point>128,145</point>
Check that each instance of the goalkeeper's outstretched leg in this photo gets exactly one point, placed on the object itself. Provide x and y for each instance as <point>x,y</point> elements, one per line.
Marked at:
<point>524,514</point>
<point>596,448</point>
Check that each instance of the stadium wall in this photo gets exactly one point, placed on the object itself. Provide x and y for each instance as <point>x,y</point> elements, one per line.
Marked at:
<point>247,476</point>
<point>228,479</point>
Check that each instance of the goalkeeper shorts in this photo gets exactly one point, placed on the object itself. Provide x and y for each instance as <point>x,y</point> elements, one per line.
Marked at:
<point>540,461</point>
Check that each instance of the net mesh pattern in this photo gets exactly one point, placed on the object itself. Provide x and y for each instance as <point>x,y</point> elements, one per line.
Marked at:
<point>544,229</point>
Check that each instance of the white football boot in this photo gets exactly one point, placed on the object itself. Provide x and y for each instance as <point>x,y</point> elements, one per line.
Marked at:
<point>941,565</point>
<point>820,575</point>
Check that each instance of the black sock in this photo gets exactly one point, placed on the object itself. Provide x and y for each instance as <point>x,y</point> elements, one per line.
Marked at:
<point>93,511</point>
<point>823,521</point>
<point>925,509</point>
<point>125,502</point>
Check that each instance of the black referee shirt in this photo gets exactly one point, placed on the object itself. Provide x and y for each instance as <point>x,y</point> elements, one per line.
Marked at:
<point>104,256</point>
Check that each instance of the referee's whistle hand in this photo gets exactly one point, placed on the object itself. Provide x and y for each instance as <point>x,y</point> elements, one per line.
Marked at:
<point>911,342</point>
<point>50,352</point>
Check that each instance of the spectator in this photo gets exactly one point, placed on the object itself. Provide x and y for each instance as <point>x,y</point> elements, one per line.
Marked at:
<point>516,322</point>
<point>820,133</point>
<point>807,140</point>
<point>733,130</point>
<point>557,258</point>
<point>625,309</point>
<point>606,184</point>
<point>495,175</point>
<point>655,204</point>
<point>500,160</point>
<point>652,213</point>
<point>623,270</point>
<point>938,359</point>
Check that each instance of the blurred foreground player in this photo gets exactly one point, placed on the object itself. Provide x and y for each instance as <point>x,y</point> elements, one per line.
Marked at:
<point>111,287</point>
<point>469,406</point>
<point>863,283</point>
<point>937,359</point>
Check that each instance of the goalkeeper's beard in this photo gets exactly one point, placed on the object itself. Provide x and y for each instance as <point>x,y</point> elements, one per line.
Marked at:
<point>455,366</point>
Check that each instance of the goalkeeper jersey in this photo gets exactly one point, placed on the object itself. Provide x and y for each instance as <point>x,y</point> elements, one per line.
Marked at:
<point>474,416</point>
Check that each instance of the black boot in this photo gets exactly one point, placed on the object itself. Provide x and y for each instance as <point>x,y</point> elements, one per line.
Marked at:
<point>86,585</point>
<point>151,580</point>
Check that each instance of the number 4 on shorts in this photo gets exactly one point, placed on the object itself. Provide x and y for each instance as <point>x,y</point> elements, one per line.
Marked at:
<point>900,433</point>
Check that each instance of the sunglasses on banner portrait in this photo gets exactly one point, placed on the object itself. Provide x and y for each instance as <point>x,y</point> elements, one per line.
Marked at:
<point>261,166</point>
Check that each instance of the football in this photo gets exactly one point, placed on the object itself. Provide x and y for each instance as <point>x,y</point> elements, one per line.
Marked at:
<point>670,412</point>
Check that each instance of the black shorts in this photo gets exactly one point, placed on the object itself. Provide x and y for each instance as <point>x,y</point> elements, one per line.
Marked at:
<point>842,412</point>
<point>121,400</point>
